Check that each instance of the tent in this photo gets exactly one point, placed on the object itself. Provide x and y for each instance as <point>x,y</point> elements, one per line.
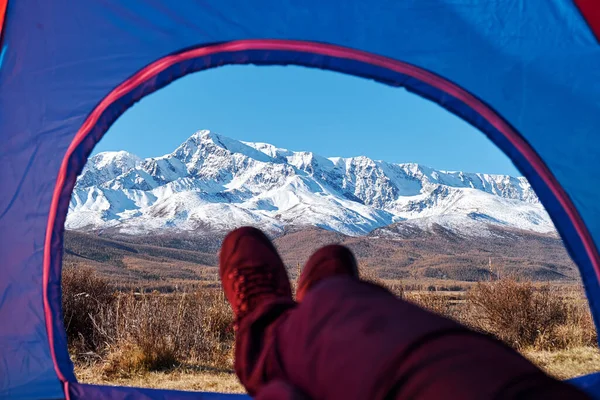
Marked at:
<point>525,72</point>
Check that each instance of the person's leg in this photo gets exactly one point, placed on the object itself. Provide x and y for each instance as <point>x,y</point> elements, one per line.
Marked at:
<point>328,261</point>
<point>279,390</point>
<point>256,285</point>
<point>350,340</point>
<point>353,340</point>
<point>257,356</point>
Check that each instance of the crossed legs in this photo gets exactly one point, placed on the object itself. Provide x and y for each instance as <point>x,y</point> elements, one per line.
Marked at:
<point>349,339</point>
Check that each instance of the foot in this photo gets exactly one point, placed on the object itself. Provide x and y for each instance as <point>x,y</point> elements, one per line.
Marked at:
<point>332,260</point>
<point>251,272</point>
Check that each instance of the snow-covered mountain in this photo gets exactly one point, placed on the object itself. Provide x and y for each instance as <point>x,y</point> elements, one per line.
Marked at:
<point>211,182</point>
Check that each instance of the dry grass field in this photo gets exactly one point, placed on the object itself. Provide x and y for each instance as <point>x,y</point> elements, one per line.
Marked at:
<point>150,313</point>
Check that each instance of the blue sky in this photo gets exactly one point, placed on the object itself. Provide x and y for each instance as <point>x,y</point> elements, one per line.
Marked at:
<point>305,109</point>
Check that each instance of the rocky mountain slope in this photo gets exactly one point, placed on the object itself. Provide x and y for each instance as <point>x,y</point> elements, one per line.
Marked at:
<point>213,183</point>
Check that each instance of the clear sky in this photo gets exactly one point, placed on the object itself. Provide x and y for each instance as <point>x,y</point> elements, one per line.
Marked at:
<point>305,109</point>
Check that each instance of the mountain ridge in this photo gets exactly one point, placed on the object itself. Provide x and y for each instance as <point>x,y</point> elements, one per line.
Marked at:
<point>214,183</point>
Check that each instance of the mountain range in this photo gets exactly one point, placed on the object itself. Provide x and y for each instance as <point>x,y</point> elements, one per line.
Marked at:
<point>214,183</point>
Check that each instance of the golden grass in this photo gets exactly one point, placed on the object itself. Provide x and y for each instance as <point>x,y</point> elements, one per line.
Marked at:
<point>562,364</point>
<point>178,379</point>
<point>565,364</point>
<point>184,341</point>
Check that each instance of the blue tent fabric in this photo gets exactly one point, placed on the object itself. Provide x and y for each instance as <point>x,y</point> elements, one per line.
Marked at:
<point>589,383</point>
<point>527,74</point>
<point>82,391</point>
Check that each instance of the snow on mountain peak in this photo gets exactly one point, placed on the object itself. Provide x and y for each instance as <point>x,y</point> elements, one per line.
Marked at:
<point>106,166</point>
<point>121,157</point>
<point>202,133</point>
<point>211,181</point>
<point>204,141</point>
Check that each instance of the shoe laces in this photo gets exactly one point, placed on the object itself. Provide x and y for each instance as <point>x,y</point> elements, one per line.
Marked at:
<point>251,282</point>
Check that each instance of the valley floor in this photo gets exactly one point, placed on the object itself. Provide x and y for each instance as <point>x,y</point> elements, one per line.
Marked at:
<point>563,364</point>
<point>154,306</point>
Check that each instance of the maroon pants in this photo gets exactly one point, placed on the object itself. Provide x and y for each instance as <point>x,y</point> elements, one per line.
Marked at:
<point>354,340</point>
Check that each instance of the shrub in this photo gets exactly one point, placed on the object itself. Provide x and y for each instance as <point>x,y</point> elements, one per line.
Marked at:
<point>85,296</point>
<point>432,301</point>
<point>129,358</point>
<point>137,332</point>
<point>159,331</point>
<point>525,316</point>
<point>579,330</point>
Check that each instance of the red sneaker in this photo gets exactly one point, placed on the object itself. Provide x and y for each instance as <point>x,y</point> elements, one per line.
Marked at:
<point>251,271</point>
<point>332,260</point>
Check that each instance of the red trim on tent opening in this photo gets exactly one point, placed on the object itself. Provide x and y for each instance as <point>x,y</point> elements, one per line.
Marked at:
<point>3,7</point>
<point>150,71</point>
<point>590,9</point>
